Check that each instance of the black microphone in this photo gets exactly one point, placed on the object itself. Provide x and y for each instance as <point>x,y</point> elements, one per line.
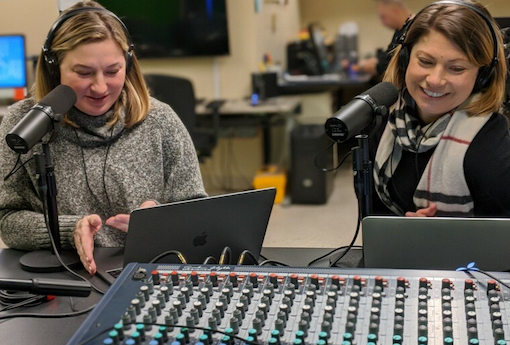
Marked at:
<point>359,113</point>
<point>40,119</point>
<point>41,286</point>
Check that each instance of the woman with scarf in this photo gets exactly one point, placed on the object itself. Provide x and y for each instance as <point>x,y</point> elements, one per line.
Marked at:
<point>445,149</point>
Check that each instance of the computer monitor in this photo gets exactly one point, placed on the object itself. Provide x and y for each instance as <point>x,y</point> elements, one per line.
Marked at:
<point>503,22</point>
<point>13,71</point>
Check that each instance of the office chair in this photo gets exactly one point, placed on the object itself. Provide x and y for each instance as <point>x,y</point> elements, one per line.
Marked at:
<point>179,94</point>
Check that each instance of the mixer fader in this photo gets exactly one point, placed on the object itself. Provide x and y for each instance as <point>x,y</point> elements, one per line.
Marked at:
<point>209,305</point>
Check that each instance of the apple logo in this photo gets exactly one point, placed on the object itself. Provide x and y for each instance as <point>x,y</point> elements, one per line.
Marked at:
<point>200,240</point>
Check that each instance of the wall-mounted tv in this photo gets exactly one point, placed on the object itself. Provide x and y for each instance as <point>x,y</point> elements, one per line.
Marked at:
<point>13,69</point>
<point>174,28</point>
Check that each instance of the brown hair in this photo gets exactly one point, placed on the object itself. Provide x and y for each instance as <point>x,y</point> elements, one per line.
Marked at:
<point>93,26</point>
<point>467,29</point>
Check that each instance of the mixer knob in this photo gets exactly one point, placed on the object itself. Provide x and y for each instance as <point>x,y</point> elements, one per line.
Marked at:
<point>373,328</point>
<point>353,318</point>
<point>269,294</point>
<point>286,300</point>
<point>303,327</point>
<point>300,335</point>
<point>294,279</point>
<point>185,292</point>
<point>314,279</point>
<point>225,296</point>
<point>253,279</point>
<point>397,339</point>
<point>235,321</point>
<point>446,306</point>
<point>447,321</point>
<point>156,304</point>
<point>194,314</point>
<point>354,295</point>
<point>194,277</point>
<point>491,285</point>
<point>197,305</point>
<point>306,316</point>
<point>263,307</point>
<point>240,311</point>
<point>289,294</point>
<point>332,295</point>
<point>422,320</point>
<point>155,276</point>
<point>499,335</point>
<point>273,279</point>
<point>167,290</point>
<point>135,303</point>
<point>245,300</point>
<point>399,312</point>
<point>446,283</point>
<point>401,283</point>
<point>213,278</point>
<point>399,320</point>
<point>257,325</point>
<point>496,316</point>
<point>285,309</point>
<point>398,329</point>
<point>472,332</point>
<point>248,293</point>
<point>379,281</point>
<point>233,279</point>
<point>221,308</point>
<point>337,281</point>
<point>357,281</point>
<point>259,314</point>
<point>279,324</point>
<point>174,278</point>
<point>309,302</point>
<point>423,283</point>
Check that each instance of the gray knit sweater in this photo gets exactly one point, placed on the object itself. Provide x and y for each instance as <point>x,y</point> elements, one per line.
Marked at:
<point>99,170</point>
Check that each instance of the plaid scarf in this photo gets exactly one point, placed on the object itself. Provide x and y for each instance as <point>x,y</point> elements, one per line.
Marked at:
<point>443,181</point>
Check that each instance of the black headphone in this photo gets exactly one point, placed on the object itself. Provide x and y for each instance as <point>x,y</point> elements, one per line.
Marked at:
<point>51,60</point>
<point>485,73</point>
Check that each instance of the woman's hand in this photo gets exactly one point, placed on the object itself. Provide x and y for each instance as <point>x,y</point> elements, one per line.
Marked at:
<point>424,212</point>
<point>121,221</point>
<point>84,232</point>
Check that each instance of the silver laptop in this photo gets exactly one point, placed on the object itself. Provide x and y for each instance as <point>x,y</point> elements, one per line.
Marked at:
<point>198,229</point>
<point>436,242</point>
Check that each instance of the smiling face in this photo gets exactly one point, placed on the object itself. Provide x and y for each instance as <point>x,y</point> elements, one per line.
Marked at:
<point>96,72</point>
<point>439,76</point>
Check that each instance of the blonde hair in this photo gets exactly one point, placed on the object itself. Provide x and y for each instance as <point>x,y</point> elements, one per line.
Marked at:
<point>93,26</point>
<point>467,29</point>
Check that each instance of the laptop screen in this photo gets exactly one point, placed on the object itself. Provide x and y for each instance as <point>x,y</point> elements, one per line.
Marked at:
<point>436,242</point>
<point>201,228</point>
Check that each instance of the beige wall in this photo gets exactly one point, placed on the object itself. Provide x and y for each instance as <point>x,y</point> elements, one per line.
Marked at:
<point>372,34</point>
<point>251,35</point>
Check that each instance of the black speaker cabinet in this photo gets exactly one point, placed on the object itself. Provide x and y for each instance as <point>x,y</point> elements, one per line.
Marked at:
<point>308,183</point>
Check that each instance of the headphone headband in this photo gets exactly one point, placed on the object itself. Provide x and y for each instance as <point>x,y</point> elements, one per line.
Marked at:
<point>50,58</point>
<point>486,72</point>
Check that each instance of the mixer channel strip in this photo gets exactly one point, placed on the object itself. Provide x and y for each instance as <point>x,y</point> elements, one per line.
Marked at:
<point>209,305</point>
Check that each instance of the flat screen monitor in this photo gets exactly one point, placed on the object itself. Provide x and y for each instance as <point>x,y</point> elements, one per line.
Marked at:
<point>174,28</point>
<point>13,68</point>
<point>503,22</point>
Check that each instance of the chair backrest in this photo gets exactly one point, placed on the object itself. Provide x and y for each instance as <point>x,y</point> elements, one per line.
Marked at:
<point>178,93</point>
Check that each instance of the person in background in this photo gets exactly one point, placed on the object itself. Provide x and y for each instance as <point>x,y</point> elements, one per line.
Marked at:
<point>393,14</point>
<point>118,149</point>
<point>445,149</point>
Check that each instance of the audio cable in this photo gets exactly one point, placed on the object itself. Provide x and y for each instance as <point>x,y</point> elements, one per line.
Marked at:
<point>167,253</point>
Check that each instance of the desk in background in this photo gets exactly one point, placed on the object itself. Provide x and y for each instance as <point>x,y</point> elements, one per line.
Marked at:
<point>240,112</point>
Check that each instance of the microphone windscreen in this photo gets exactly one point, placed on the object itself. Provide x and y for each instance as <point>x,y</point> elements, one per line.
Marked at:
<point>60,99</point>
<point>384,93</point>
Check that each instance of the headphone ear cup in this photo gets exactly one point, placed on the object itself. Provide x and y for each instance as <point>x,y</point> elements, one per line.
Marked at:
<point>403,58</point>
<point>484,78</point>
<point>52,66</point>
<point>129,59</point>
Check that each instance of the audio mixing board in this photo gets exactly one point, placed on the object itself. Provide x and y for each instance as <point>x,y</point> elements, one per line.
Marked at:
<point>213,304</point>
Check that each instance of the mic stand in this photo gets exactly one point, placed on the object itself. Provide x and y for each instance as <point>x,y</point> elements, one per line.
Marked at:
<point>363,181</point>
<point>362,166</point>
<point>44,260</point>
